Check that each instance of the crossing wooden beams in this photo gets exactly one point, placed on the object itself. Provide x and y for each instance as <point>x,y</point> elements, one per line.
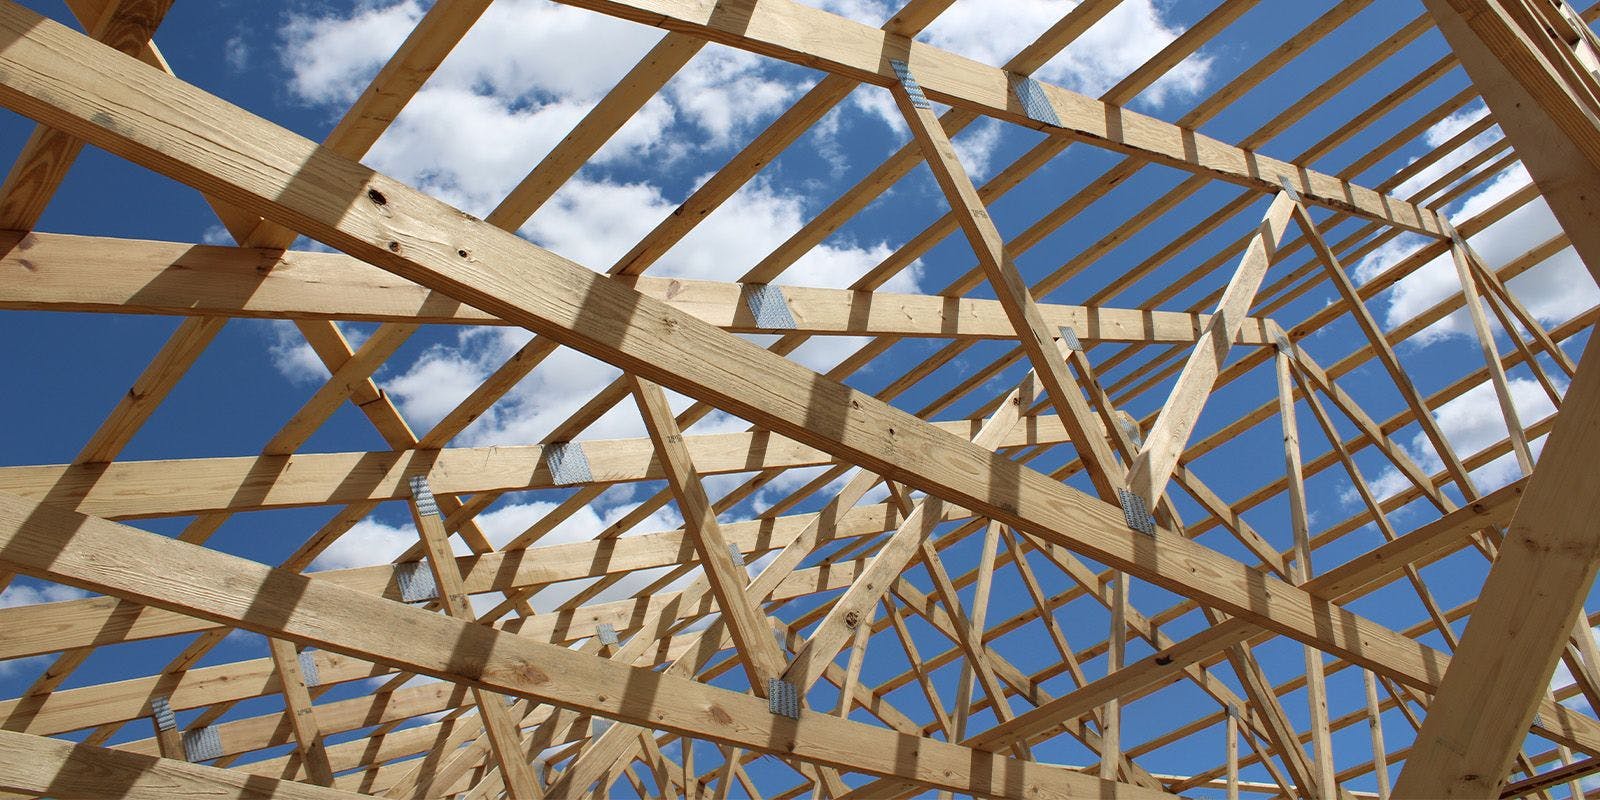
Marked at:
<point>551,625</point>
<point>64,546</point>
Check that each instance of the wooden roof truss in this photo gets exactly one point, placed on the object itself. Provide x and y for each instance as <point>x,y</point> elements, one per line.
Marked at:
<point>775,663</point>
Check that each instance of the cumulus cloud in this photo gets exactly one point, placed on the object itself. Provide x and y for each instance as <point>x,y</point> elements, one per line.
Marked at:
<point>293,357</point>
<point>1115,46</point>
<point>32,593</point>
<point>1554,291</point>
<point>1470,423</point>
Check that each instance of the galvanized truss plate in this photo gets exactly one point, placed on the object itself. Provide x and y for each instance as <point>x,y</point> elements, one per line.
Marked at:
<point>1136,512</point>
<point>416,581</point>
<point>909,83</point>
<point>1069,337</point>
<point>568,465</point>
<point>202,744</point>
<point>423,496</point>
<point>769,307</point>
<point>1288,188</point>
<point>606,634</point>
<point>736,555</point>
<point>1034,101</point>
<point>1132,431</point>
<point>161,709</point>
<point>308,668</point>
<point>783,698</point>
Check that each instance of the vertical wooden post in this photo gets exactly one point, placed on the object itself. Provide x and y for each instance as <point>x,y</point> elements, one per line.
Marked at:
<point>302,715</point>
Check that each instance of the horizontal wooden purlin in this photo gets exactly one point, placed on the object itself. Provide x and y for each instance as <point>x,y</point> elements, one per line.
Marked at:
<point>255,733</point>
<point>36,765</point>
<point>60,545</point>
<point>183,132</point>
<point>51,627</point>
<point>140,489</point>
<point>66,710</point>
<point>58,272</point>
<point>818,39</point>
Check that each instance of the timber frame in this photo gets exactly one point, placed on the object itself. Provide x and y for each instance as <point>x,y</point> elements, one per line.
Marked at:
<point>889,643</point>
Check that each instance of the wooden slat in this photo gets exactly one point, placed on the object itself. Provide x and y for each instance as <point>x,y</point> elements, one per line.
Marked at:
<point>58,272</point>
<point>67,547</point>
<point>815,38</point>
<point>299,711</point>
<point>41,766</point>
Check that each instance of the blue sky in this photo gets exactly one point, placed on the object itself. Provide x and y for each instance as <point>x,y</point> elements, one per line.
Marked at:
<point>528,72</point>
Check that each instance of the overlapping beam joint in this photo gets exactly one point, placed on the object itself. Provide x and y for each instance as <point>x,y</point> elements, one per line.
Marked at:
<point>409,260</point>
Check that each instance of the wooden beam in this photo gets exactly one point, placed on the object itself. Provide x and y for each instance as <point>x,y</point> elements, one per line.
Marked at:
<point>134,489</point>
<point>61,272</point>
<point>67,547</point>
<point>1524,617</point>
<point>125,25</point>
<point>301,714</point>
<point>1158,456</point>
<point>381,220</point>
<point>500,729</point>
<point>1555,137</point>
<point>40,766</point>
<point>752,636</point>
<point>811,37</point>
<point>1038,340</point>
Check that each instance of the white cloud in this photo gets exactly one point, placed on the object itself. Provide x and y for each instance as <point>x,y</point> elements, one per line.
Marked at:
<point>1553,291</point>
<point>1116,45</point>
<point>1471,422</point>
<point>293,357</point>
<point>32,594</point>
<point>331,58</point>
<point>975,147</point>
<point>368,542</point>
<point>1441,132</point>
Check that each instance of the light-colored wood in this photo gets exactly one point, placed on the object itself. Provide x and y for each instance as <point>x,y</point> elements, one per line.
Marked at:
<point>1555,136</point>
<point>1491,356</point>
<point>1375,726</point>
<point>791,31</point>
<point>299,711</point>
<point>60,272</point>
<point>133,489</point>
<point>834,431</point>
<point>35,765</point>
<point>500,729</point>
<point>980,611</point>
<point>891,559</point>
<point>1038,341</point>
<point>125,25</point>
<point>1167,438</point>
<point>1532,594</point>
<point>1233,755</point>
<point>62,545</point>
<point>752,636</point>
<point>1301,570</point>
